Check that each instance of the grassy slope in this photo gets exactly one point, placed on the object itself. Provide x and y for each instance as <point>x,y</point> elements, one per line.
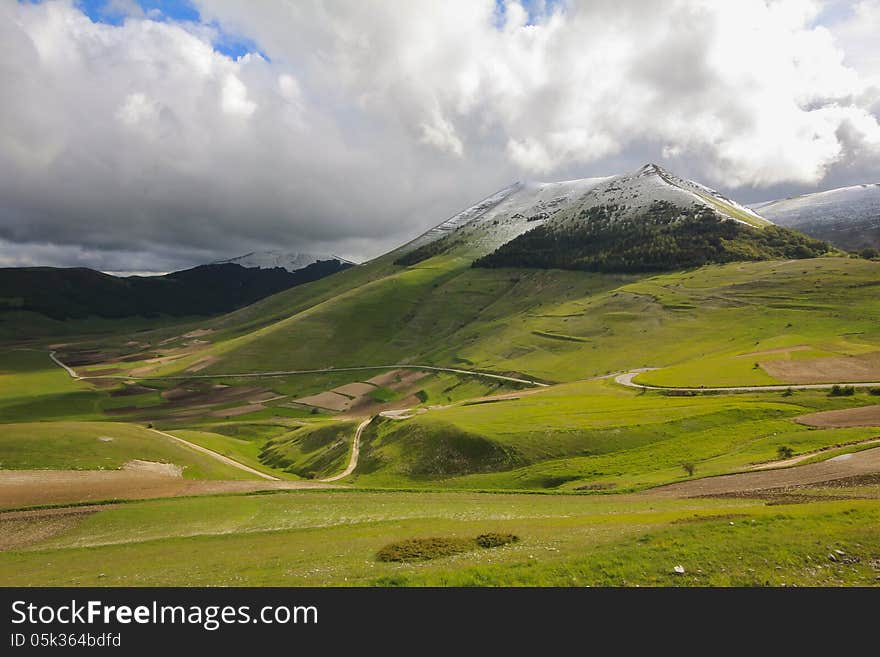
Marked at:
<point>32,387</point>
<point>319,538</point>
<point>593,434</point>
<point>77,446</point>
<point>319,450</point>
<point>700,324</point>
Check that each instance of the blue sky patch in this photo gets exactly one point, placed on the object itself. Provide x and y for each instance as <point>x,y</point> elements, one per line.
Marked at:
<point>536,9</point>
<point>171,11</point>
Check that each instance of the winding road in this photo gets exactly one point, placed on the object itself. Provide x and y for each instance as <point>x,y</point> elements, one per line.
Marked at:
<point>216,455</point>
<point>486,375</point>
<point>355,452</point>
<point>626,379</point>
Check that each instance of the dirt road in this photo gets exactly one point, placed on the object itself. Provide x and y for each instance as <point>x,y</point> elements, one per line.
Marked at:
<point>355,452</point>
<point>485,375</point>
<point>216,455</point>
<point>838,467</point>
<point>20,488</point>
<point>626,379</point>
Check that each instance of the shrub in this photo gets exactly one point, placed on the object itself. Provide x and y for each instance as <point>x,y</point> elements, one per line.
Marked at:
<point>689,468</point>
<point>435,547</point>
<point>788,392</point>
<point>874,391</point>
<point>424,549</point>
<point>494,539</point>
<point>784,452</point>
<point>422,396</point>
<point>842,391</point>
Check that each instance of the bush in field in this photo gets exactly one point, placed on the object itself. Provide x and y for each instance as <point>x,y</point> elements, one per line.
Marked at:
<point>424,549</point>
<point>689,468</point>
<point>842,391</point>
<point>435,547</point>
<point>784,452</point>
<point>494,539</point>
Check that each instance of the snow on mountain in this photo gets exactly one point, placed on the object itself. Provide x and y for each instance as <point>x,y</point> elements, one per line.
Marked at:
<point>633,194</point>
<point>506,214</point>
<point>272,259</point>
<point>848,217</point>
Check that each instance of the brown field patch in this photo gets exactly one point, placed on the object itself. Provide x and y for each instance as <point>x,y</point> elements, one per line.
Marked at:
<point>131,389</point>
<point>143,371</point>
<point>80,358</point>
<point>238,410</point>
<point>22,528</point>
<point>834,369</point>
<point>154,467</point>
<point>198,333</point>
<point>328,400</point>
<point>866,462</point>
<point>354,390</point>
<point>20,488</point>
<point>191,399</point>
<point>862,416</point>
<point>397,379</point>
<point>202,363</point>
<point>386,378</point>
<point>407,379</point>
<point>101,372</point>
<point>202,394</point>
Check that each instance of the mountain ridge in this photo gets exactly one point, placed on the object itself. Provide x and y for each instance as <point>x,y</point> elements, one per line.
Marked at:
<point>848,217</point>
<point>270,259</point>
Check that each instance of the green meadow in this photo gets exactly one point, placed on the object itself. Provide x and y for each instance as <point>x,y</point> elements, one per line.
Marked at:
<point>332,538</point>
<point>100,446</point>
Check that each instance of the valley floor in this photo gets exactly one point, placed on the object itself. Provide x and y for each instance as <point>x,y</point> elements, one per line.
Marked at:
<point>732,455</point>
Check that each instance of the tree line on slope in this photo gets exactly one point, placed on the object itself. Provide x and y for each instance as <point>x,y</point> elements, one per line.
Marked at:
<point>664,237</point>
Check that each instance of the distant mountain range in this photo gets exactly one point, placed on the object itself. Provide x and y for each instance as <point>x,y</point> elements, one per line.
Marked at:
<point>649,220</point>
<point>65,293</point>
<point>290,261</point>
<point>848,217</point>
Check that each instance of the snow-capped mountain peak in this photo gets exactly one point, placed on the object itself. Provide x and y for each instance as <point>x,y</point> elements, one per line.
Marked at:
<point>286,260</point>
<point>848,217</point>
<point>632,195</point>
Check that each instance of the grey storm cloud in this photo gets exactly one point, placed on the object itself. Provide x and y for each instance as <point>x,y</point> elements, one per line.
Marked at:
<point>140,147</point>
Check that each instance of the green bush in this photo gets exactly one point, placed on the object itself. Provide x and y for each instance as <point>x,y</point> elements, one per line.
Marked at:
<point>842,391</point>
<point>436,547</point>
<point>784,452</point>
<point>494,539</point>
<point>425,549</point>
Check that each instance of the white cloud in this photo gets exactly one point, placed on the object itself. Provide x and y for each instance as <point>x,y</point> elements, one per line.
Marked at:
<point>370,121</point>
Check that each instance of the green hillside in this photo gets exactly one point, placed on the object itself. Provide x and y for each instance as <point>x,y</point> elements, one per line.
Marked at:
<point>594,435</point>
<point>702,324</point>
<point>666,237</point>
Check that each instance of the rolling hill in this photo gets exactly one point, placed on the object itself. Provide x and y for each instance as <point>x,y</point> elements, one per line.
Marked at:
<point>62,293</point>
<point>848,217</point>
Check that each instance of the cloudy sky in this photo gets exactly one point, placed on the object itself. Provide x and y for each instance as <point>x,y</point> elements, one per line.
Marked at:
<point>153,135</point>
